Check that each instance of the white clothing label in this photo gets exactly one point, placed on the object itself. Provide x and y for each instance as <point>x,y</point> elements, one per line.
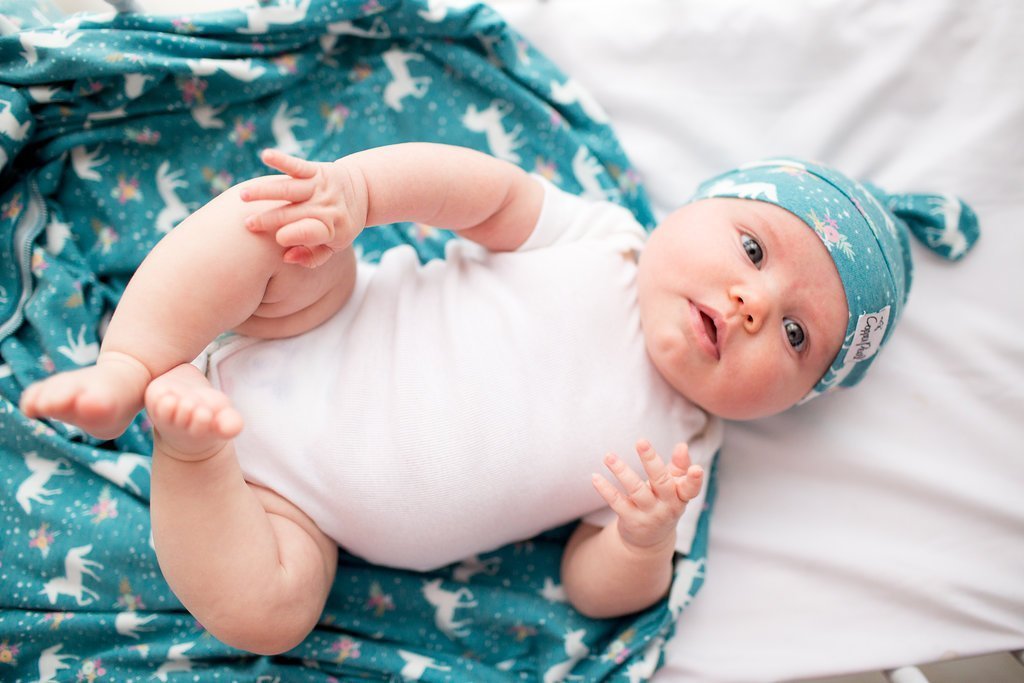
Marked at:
<point>868,336</point>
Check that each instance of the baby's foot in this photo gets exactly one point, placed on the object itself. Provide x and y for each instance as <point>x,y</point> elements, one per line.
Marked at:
<point>101,399</point>
<point>191,419</point>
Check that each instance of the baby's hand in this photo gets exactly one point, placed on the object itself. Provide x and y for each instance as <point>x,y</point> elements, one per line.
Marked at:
<point>649,511</point>
<point>327,210</point>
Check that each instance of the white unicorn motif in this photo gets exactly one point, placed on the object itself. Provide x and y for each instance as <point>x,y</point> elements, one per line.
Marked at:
<point>78,351</point>
<point>33,489</point>
<point>129,624</point>
<point>50,663</point>
<point>9,123</point>
<point>744,190</point>
<point>403,83</point>
<point>473,565</point>
<point>30,40</point>
<point>84,163</point>
<point>119,472</point>
<point>118,113</point>
<point>445,604</point>
<point>240,69</point>
<point>206,116</point>
<point>174,210</point>
<point>587,170</point>
<point>643,669</point>
<point>949,235</point>
<point>43,93</point>
<point>687,572</point>
<point>573,92</point>
<point>417,665</point>
<point>488,121</point>
<point>176,661</point>
<point>284,120</point>
<point>75,567</point>
<point>285,12</point>
<point>436,11</point>
<point>57,234</point>
<point>378,29</point>
<point>134,84</point>
<point>553,592</point>
<point>576,649</point>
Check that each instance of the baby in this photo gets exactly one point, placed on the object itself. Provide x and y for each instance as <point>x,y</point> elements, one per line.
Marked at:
<point>416,415</point>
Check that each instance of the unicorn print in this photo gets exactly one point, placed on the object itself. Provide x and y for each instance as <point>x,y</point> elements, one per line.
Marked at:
<point>78,351</point>
<point>176,661</point>
<point>744,190</point>
<point>57,234</point>
<point>488,121</point>
<point>576,649</point>
<point>43,93</point>
<point>488,43</point>
<point>403,83</point>
<point>134,84</point>
<point>473,565</point>
<point>129,624</point>
<point>120,471</point>
<point>949,235</point>
<point>10,125</point>
<point>687,572</point>
<point>573,92</point>
<point>239,69</point>
<point>174,210</point>
<point>75,567</point>
<point>643,668</point>
<point>417,665</point>
<point>436,11</point>
<point>50,662</point>
<point>587,171</point>
<point>84,163</point>
<point>445,603</point>
<point>285,12</point>
<point>378,29</point>
<point>206,116</point>
<point>553,592</point>
<point>30,40</point>
<point>118,113</point>
<point>33,489</point>
<point>284,120</point>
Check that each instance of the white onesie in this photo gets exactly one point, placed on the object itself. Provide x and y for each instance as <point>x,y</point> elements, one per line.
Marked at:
<point>453,407</point>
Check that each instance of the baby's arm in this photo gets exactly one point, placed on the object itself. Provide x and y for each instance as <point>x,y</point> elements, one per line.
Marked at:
<point>627,566</point>
<point>485,199</point>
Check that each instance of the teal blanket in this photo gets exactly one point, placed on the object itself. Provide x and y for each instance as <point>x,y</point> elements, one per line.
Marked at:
<point>112,129</point>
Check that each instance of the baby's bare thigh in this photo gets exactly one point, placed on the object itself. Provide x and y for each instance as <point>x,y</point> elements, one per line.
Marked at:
<point>297,299</point>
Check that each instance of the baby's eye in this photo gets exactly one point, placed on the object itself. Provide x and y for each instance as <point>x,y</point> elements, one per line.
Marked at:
<point>753,249</point>
<point>794,333</point>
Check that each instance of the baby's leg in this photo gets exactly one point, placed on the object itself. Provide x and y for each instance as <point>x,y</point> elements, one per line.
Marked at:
<point>206,276</point>
<point>253,569</point>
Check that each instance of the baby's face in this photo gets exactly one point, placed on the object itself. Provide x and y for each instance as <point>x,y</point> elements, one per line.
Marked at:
<point>741,305</point>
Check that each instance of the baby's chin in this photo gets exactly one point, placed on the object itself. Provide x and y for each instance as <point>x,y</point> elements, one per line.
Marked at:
<point>745,406</point>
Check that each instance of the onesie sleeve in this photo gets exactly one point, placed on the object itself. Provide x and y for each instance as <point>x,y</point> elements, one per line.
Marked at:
<point>566,217</point>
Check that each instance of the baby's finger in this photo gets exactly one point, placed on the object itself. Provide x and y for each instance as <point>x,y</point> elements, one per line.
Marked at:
<point>304,232</point>
<point>273,220</point>
<point>688,487</point>
<point>286,188</point>
<point>616,501</point>
<point>636,488</point>
<point>286,163</point>
<point>680,460</point>
<point>662,484</point>
<point>308,257</point>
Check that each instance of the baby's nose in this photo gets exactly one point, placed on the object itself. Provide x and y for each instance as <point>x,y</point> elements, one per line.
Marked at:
<point>751,307</point>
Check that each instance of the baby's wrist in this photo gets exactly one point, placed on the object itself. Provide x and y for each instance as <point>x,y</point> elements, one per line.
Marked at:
<point>644,549</point>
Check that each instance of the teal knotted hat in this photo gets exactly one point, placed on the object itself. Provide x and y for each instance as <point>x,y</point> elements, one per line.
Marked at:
<point>866,232</point>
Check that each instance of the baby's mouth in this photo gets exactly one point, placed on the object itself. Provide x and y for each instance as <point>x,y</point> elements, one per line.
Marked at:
<point>710,327</point>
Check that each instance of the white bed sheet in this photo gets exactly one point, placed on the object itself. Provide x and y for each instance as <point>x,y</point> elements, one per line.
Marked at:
<point>884,526</point>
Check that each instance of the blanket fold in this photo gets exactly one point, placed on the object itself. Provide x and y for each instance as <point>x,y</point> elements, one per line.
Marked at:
<point>113,128</point>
